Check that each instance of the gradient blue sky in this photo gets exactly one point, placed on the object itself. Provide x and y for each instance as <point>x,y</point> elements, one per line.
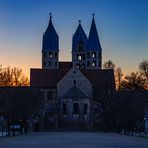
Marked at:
<point>122,27</point>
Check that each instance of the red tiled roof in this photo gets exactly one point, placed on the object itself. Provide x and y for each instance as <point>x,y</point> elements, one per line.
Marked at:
<point>50,77</point>
<point>46,77</point>
<point>100,77</point>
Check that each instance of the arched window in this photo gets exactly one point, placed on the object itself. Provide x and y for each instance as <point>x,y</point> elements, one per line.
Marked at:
<point>64,108</point>
<point>94,63</point>
<point>74,82</point>
<point>75,108</point>
<point>85,109</point>
<point>94,54</point>
<point>79,57</point>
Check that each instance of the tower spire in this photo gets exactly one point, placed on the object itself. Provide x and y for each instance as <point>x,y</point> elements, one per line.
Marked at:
<point>50,46</point>
<point>93,40</point>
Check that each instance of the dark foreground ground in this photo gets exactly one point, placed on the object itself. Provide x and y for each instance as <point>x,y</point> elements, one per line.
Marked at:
<point>73,140</point>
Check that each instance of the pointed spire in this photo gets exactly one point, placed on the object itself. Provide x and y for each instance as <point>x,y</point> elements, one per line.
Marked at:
<point>93,40</point>
<point>50,37</point>
<point>79,37</point>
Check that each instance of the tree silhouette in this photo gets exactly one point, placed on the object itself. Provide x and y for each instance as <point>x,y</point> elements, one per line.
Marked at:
<point>143,66</point>
<point>134,81</point>
<point>109,65</point>
<point>12,77</point>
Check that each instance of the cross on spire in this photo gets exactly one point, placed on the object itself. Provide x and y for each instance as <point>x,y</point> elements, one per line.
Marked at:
<point>50,15</point>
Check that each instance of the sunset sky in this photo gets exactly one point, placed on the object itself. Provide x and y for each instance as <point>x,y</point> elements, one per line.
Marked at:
<point>122,27</point>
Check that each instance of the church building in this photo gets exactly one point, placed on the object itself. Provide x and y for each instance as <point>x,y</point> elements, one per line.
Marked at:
<point>76,92</point>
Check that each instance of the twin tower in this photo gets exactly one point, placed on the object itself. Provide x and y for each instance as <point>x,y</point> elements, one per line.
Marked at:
<point>86,51</point>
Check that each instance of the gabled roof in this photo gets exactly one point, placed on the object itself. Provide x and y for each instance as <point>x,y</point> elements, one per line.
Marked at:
<point>50,38</point>
<point>79,37</point>
<point>74,92</point>
<point>100,77</point>
<point>49,77</point>
<point>93,40</point>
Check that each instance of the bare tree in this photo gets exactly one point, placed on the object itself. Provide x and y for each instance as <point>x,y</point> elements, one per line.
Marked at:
<point>109,65</point>
<point>143,66</point>
<point>118,77</point>
<point>13,77</point>
<point>134,81</point>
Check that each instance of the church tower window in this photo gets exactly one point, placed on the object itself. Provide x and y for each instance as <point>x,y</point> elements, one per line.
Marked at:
<point>50,55</point>
<point>94,63</point>
<point>94,54</point>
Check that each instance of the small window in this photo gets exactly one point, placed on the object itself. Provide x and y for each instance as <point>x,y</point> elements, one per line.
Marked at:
<point>50,55</point>
<point>94,54</point>
<point>79,57</point>
<point>94,63</point>
<point>75,108</point>
<point>85,109</point>
<point>64,108</point>
<point>74,82</point>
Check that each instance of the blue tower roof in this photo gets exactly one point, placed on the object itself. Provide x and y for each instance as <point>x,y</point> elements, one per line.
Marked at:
<point>50,38</point>
<point>79,37</point>
<point>93,40</point>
